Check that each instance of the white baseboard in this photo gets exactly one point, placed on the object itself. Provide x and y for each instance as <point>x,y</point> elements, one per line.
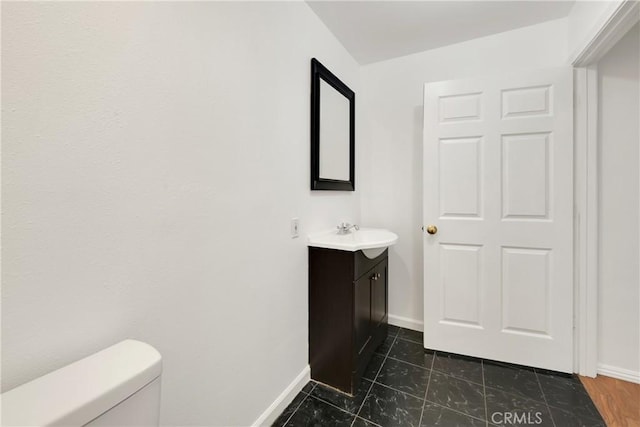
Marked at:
<point>619,373</point>
<point>405,322</point>
<point>275,409</point>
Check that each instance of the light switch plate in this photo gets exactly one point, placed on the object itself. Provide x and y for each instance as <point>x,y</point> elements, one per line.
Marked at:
<point>295,228</point>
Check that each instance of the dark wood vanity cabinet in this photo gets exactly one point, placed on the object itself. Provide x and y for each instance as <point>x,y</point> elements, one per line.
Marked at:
<point>348,313</point>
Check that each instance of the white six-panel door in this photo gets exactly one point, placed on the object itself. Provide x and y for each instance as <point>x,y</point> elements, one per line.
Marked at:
<point>498,185</point>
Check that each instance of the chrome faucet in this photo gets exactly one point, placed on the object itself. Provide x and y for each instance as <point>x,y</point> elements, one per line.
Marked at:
<point>345,227</point>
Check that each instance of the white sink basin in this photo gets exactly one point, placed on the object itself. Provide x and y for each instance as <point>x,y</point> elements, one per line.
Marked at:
<point>371,241</point>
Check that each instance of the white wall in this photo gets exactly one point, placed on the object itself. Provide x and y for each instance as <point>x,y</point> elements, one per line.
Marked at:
<point>392,188</point>
<point>153,155</point>
<point>619,279</point>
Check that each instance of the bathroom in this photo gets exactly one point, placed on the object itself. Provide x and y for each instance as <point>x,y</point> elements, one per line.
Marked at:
<point>155,155</point>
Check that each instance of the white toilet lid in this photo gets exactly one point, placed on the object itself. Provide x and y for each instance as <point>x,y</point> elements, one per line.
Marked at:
<point>83,390</point>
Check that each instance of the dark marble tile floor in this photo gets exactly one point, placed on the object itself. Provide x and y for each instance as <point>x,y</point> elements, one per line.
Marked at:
<point>405,385</point>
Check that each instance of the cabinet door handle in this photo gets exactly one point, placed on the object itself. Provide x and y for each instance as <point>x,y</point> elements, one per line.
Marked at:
<point>375,276</point>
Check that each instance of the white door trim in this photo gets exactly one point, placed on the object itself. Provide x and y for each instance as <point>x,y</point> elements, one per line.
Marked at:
<point>614,24</point>
<point>611,28</point>
<point>586,220</point>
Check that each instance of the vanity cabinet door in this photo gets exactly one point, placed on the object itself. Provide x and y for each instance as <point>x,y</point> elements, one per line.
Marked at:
<point>379,304</point>
<point>362,311</point>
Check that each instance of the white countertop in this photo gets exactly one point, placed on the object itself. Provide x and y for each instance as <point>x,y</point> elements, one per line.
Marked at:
<point>354,240</point>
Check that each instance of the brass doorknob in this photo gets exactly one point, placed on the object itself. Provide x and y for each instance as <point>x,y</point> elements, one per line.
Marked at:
<point>432,229</point>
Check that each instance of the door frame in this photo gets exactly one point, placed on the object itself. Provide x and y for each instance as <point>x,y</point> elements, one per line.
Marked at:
<point>612,26</point>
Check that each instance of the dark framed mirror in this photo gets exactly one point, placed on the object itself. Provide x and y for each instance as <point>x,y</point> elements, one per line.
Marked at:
<point>333,110</point>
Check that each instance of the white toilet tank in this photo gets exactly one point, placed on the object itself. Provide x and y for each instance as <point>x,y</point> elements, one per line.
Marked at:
<point>118,386</point>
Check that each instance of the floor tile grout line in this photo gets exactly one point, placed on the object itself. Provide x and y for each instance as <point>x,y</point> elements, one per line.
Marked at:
<point>508,393</point>
<point>313,386</point>
<point>409,394</point>
<point>445,373</point>
<point>565,410</point>
<point>484,394</point>
<point>439,370</point>
<point>332,404</point>
<point>544,400</point>
<point>297,407</point>
<point>399,391</point>
<point>408,340</point>
<point>449,375</point>
<point>362,403</point>
<point>544,397</point>
<point>342,409</point>
<point>375,377</point>
<point>453,410</point>
<point>367,421</point>
<point>424,400</point>
<point>367,394</point>
<point>357,414</point>
<point>408,363</point>
<point>395,338</point>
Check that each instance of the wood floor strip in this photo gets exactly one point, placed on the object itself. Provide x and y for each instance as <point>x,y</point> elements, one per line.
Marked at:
<point>618,401</point>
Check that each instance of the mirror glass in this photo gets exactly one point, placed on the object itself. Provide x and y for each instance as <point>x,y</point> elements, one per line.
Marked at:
<point>334,133</point>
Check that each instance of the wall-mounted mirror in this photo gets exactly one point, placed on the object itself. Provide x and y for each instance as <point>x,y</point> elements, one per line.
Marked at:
<point>332,131</point>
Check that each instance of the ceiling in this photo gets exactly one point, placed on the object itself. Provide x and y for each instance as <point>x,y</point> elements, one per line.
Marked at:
<point>377,30</point>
